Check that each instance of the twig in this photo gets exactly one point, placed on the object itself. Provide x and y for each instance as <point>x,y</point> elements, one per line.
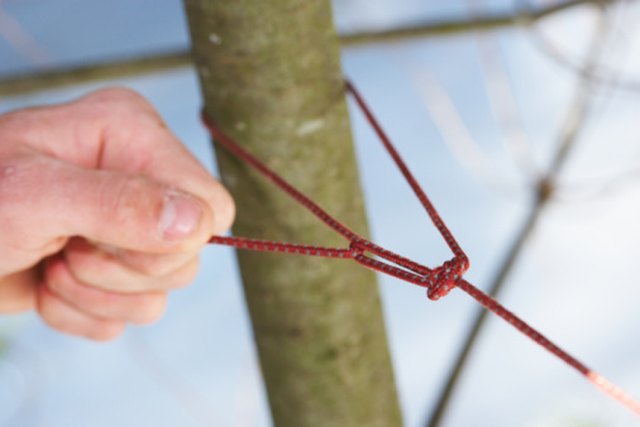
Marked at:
<point>457,26</point>
<point>610,188</point>
<point>604,76</point>
<point>567,138</point>
<point>126,67</point>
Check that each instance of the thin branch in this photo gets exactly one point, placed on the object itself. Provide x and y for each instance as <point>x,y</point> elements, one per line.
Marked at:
<point>604,76</point>
<point>457,26</point>
<point>595,189</point>
<point>588,190</point>
<point>126,67</point>
<point>568,136</point>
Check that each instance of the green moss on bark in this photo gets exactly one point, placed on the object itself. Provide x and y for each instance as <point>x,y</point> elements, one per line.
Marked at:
<point>271,78</point>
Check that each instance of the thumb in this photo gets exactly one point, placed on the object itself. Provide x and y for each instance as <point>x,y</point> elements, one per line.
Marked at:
<point>57,199</point>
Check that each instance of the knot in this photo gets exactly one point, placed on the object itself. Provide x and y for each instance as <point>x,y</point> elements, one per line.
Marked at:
<point>443,279</point>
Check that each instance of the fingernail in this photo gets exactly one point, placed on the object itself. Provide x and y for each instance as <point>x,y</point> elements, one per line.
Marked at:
<point>180,217</point>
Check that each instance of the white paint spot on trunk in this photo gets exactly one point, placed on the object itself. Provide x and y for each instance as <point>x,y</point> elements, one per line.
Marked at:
<point>309,126</point>
<point>215,39</point>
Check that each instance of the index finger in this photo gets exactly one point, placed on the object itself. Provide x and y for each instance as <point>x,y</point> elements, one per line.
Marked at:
<point>118,130</point>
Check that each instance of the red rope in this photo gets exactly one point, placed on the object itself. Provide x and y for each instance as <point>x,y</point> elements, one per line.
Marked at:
<point>438,281</point>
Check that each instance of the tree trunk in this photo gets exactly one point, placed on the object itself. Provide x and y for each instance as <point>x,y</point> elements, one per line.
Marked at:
<point>270,73</point>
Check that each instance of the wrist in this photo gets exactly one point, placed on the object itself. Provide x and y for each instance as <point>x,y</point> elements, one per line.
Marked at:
<point>17,292</point>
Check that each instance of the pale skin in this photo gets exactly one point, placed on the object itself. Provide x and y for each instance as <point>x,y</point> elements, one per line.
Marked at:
<point>102,212</point>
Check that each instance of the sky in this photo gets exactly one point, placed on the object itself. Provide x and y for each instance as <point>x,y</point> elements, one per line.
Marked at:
<point>576,280</point>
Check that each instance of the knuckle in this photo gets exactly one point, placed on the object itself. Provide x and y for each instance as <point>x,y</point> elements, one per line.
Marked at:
<point>50,318</point>
<point>186,275</point>
<point>152,269</point>
<point>55,281</point>
<point>86,266</point>
<point>179,278</point>
<point>159,266</point>
<point>151,310</point>
<point>128,201</point>
<point>116,95</point>
<point>58,316</point>
<point>125,115</point>
<point>117,194</point>
<point>51,314</point>
<point>129,109</point>
<point>104,331</point>
<point>53,246</point>
<point>55,322</point>
<point>153,266</point>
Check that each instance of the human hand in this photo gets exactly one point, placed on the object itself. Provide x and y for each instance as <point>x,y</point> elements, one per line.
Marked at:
<point>102,212</point>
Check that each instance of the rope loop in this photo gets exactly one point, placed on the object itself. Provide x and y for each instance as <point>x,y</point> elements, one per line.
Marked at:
<point>356,249</point>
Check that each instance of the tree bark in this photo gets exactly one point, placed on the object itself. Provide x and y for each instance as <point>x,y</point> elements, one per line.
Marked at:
<point>271,78</point>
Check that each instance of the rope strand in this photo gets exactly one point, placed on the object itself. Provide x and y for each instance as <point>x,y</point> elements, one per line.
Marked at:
<point>438,281</point>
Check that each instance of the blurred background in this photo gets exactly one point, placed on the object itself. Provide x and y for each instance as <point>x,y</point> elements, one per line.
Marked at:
<point>491,102</point>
